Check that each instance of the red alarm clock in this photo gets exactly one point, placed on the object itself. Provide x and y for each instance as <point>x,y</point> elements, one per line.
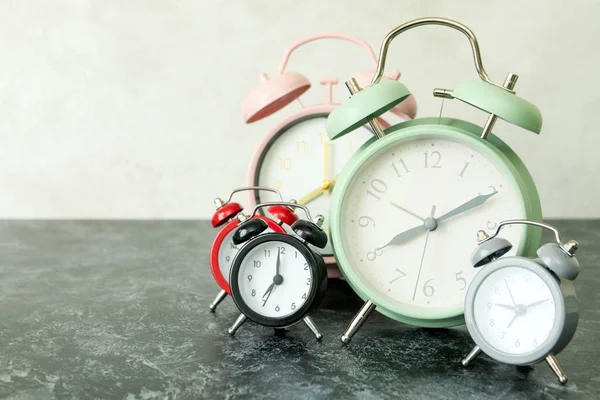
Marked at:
<point>228,216</point>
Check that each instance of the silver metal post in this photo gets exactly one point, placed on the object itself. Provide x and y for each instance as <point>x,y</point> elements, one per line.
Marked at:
<point>236,325</point>
<point>555,366</point>
<point>311,325</point>
<point>353,88</point>
<point>358,321</point>
<point>471,356</point>
<point>509,83</point>
<point>222,294</point>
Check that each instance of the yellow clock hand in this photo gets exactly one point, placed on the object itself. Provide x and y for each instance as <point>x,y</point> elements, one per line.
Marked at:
<point>325,160</point>
<point>311,196</point>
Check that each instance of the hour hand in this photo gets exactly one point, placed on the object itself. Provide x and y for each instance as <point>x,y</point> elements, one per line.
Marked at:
<point>506,306</point>
<point>405,236</point>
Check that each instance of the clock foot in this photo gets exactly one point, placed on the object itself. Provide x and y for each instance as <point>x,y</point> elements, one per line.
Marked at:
<point>236,325</point>
<point>222,294</point>
<point>555,366</point>
<point>358,321</point>
<point>471,356</point>
<point>311,325</point>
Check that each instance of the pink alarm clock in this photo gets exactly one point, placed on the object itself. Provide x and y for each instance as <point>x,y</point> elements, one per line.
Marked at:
<point>295,156</point>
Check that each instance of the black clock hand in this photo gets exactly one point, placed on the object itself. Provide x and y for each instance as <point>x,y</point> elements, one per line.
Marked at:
<point>278,263</point>
<point>473,203</point>
<point>268,292</point>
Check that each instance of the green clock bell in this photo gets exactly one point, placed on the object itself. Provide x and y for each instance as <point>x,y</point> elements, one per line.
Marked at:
<point>405,205</point>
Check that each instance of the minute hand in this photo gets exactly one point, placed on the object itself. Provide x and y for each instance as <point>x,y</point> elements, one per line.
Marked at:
<point>469,205</point>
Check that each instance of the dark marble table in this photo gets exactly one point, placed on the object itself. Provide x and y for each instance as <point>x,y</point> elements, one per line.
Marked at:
<point>119,310</point>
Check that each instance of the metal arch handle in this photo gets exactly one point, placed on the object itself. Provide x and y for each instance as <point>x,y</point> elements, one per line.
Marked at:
<point>432,21</point>
<point>256,189</point>
<point>327,35</point>
<point>281,203</point>
<point>524,222</point>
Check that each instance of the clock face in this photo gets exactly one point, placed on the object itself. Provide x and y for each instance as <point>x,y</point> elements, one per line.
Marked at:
<point>514,310</point>
<point>303,164</point>
<point>409,218</point>
<point>227,252</point>
<point>270,291</point>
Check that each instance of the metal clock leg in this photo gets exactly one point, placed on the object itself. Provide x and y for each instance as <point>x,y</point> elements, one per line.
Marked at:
<point>553,363</point>
<point>471,356</point>
<point>358,321</point>
<point>236,325</point>
<point>222,294</point>
<point>311,325</point>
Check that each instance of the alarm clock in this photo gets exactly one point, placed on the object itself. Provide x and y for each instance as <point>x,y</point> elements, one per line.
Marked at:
<point>276,279</point>
<point>296,156</point>
<point>521,310</point>
<point>405,203</point>
<point>228,216</point>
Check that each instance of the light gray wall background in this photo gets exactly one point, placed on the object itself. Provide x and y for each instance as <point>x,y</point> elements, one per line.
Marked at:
<point>131,109</point>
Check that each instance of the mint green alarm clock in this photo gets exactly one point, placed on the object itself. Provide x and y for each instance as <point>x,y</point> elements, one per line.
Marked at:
<point>405,205</point>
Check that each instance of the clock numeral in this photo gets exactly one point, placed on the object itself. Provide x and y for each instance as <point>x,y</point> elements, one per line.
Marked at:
<point>489,304</point>
<point>374,254</point>
<point>461,279</point>
<point>267,253</point>
<point>249,278</point>
<point>256,264</point>
<point>378,186</point>
<point>435,157</point>
<point>517,343</point>
<point>253,292</point>
<point>232,246</point>
<point>526,277</point>
<point>301,146</point>
<point>281,250</point>
<point>304,296</point>
<point>227,258</point>
<point>493,190</point>
<point>293,307</point>
<point>535,343</point>
<point>503,334</point>
<point>285,163</point>
<point>464,169</point>
<point>492,322</point>
<point>364,221</point>
<point>296,256</point>
<point>306,266</point>
<point>397,171</point>
<point>308,281</point>
<point>277,184</point>
<point>402,275</point>
<point>277,308</point>
<point>428,290</point>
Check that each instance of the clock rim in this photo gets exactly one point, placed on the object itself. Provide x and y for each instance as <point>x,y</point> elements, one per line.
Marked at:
<point>560,314</point>
<point>317,288</point>
<point>316,111</point>
<point>213,258</point>
<point>466,133</point>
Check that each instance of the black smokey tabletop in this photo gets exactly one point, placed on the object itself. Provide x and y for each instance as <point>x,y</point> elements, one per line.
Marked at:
<point>119,310</point>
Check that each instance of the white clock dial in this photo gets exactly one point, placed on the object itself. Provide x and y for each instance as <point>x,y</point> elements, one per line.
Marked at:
<point>424,272</point>
<point>259,288</point>
<point>301,159</point>
<point>227,252</point>
<point>514,310</point>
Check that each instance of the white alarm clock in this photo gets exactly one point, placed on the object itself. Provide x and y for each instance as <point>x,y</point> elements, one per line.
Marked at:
<point>520,310</point>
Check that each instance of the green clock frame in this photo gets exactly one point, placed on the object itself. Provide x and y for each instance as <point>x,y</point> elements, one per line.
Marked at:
<point>468,133</point>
